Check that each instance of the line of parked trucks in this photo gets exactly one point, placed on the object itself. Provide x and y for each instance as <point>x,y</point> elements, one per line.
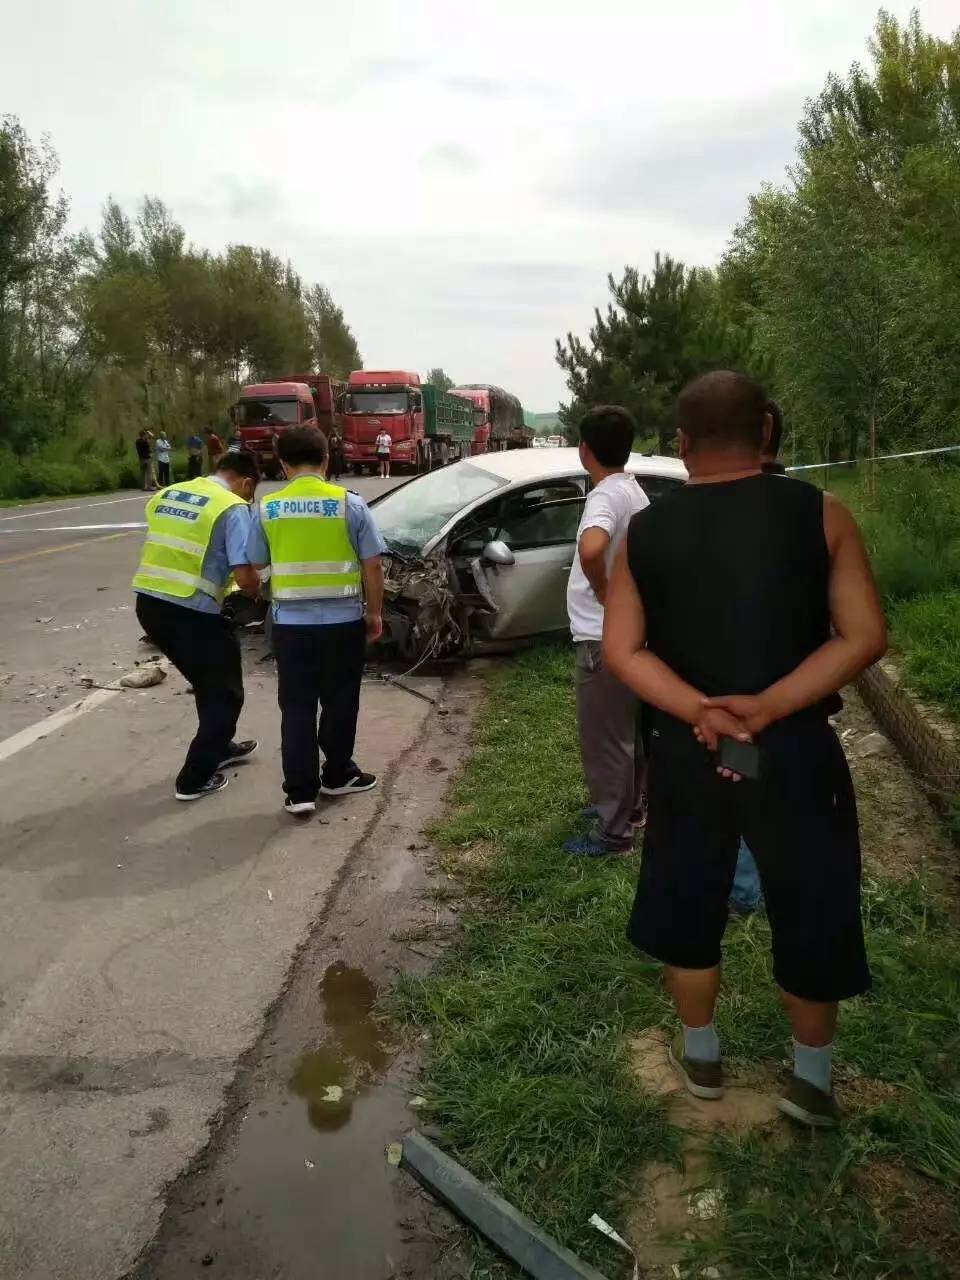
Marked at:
<point>428,427</point>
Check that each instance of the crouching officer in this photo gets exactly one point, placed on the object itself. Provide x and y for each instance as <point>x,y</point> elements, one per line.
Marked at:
<point>196,535</point>
<point>327,589</point>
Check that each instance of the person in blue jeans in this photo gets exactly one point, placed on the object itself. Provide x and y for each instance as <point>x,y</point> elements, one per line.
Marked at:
<point>746,896</point>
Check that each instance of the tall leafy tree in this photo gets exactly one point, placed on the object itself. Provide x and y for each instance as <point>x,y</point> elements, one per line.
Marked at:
<point>335,349</point>
<point>851,273</point>
<point>438,378</point>
<point>659,330</point>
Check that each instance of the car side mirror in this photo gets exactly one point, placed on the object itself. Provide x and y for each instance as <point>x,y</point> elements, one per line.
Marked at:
<point>499,553</point>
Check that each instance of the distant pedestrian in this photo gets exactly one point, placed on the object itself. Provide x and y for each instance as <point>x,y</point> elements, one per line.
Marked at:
<point>194,455</point>
<point>163,448</point>
<point>143,446</point>
<point>384,445</point>
<point>214,450</point>
<point>337,460</point>
<point>739,606</point>
<point>607,712</point>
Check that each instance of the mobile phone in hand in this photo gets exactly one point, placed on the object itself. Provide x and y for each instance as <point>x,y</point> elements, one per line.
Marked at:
<point>739,757</point>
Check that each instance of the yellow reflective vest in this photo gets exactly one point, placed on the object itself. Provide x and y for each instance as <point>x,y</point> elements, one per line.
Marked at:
<point>311,555</point>
<point>180,524</point>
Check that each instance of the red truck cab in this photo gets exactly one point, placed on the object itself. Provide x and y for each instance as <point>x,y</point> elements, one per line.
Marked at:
<point>266,409</point>
<point>378,401</point>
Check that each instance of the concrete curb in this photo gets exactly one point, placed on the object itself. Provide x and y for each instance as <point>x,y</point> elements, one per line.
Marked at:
<point>514,1234</point>
<point>924,739</point>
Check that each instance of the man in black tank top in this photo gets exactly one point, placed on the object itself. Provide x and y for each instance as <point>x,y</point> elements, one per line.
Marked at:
<point>739,607</point>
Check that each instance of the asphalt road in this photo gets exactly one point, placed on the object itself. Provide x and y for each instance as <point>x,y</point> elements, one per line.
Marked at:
<point>65,571</point>
<point>142,942</point>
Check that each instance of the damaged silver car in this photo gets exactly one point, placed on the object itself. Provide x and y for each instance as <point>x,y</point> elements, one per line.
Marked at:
<point>479,553</point>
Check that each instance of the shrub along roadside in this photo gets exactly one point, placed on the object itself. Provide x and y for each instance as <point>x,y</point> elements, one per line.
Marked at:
<point>56,476</point>
<point>529,1015</point>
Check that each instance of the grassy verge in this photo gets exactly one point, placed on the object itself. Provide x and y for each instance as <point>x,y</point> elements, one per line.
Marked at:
<point>911,521</point>
<point>78,474</point>
<point>529,1017</point>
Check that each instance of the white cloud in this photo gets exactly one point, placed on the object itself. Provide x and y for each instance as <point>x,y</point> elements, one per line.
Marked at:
<point>461,177</point>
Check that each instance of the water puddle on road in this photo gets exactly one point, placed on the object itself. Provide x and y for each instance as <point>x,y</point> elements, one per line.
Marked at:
<point>331,1077</point>
<point>304,1191</point>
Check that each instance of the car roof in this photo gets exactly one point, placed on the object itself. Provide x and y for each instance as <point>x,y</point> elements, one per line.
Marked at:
<point>517,465</point>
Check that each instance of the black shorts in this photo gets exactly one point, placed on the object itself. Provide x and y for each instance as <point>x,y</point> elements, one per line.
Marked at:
<point>800,822</point>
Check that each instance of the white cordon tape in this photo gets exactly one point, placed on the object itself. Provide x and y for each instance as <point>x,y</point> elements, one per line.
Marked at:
<point>883,457</point>
<point>612,1234</point>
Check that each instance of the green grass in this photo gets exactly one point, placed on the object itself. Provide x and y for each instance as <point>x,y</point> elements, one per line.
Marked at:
<point>927,633</point>
<point>530,1013</point>
<point>911,524</point>
<point>72,469</point>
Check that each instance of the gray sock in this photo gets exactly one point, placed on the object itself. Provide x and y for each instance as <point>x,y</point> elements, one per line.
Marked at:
<point>701,1043</point>
<point>813,1065</point>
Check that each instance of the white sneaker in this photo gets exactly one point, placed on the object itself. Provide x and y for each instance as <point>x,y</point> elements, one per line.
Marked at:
<point>300,807</point>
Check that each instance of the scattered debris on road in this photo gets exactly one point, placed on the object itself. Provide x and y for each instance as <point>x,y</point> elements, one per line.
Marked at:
<point>143,677</point>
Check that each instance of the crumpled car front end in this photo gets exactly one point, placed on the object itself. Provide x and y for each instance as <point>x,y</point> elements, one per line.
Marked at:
<point>435,605</point>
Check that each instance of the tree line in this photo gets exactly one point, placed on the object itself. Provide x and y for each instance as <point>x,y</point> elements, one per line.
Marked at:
<point>840,288</point>
<point>101,334</point>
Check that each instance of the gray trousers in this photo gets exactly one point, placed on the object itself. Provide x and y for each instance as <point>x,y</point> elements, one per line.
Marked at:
<point>608,720</point>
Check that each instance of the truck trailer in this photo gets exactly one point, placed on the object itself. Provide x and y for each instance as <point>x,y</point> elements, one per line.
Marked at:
<point>497,415</point>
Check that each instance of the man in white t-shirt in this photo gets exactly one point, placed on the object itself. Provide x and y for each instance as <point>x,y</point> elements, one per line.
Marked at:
<point>384,443</point>
<point>607,712</point>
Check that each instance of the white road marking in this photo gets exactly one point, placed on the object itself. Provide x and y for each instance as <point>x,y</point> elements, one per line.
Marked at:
<point>75,528</point>
<point>60,719</point>
<point>34,732</point>
<point>79,506</point>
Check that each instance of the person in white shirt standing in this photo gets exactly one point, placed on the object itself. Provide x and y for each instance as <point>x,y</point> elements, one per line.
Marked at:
<point>607,712</point>
<point>384,443</point>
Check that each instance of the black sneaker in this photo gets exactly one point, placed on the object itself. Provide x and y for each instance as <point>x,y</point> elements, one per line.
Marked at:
<point>215,783</point>
<point>808,1105</point>
<point>300,808</point>
<point>703,1079</point>
<point>353,786</point>
<point>238,751</point>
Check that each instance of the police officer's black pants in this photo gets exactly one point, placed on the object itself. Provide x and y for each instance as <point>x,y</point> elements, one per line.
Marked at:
<point>205,651</point>
<point>319,672</point>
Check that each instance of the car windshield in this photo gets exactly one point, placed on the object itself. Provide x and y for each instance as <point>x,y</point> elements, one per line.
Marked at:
<point>377,402</point>
<point>268,413</point>
<point>413,514</point>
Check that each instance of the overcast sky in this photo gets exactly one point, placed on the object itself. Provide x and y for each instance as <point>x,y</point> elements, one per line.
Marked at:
<point>461,176</point>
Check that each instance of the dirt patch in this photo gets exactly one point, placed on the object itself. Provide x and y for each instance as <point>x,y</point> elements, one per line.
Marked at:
<point>899,830</point>
<point>675,1205</point>
<point>921,1212</point>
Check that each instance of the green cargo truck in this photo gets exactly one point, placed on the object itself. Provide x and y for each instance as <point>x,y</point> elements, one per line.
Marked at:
<point>448,426</point>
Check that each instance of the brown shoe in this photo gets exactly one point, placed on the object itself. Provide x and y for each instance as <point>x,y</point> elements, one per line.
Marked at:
<point>808,1105</point>
<point>703,1079</point>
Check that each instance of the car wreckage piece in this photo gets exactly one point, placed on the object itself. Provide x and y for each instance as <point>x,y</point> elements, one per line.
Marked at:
<point>427,609</point>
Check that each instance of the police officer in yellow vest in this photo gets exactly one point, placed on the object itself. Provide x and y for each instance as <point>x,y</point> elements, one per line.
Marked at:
<point>196,536</point>
<point>327,588</point>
